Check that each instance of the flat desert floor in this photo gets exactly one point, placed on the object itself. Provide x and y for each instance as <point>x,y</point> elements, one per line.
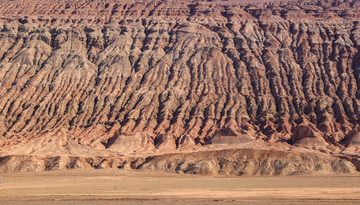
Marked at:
<point>132,187</point>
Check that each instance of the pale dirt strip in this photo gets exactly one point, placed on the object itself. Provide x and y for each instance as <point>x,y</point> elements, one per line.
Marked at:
<point>65,186</point>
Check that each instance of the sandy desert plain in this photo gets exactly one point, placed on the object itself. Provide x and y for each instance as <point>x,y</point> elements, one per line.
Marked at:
<point>139,187</point>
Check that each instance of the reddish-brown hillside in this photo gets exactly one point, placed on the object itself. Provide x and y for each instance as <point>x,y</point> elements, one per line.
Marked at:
<point>121,81</point>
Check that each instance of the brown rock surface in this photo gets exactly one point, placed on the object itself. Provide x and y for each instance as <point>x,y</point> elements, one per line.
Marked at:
<point>148,78</point>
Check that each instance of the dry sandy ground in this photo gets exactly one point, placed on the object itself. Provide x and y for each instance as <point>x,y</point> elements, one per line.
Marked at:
<point>124,187</point>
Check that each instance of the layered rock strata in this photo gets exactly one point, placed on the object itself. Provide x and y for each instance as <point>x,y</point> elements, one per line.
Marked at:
<point>134,78</point>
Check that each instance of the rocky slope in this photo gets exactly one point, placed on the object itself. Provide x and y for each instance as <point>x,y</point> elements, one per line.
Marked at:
<point>233,162</point>
<point>133,79</point>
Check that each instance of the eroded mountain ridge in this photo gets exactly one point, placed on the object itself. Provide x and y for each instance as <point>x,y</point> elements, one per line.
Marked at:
<point>108,78</point>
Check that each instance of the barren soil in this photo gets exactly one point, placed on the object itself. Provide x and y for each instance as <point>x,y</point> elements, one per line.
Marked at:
<point>115,186</point>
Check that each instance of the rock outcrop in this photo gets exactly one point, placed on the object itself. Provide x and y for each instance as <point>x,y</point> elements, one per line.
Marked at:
<point>239,162</point>
<point>142,78</point>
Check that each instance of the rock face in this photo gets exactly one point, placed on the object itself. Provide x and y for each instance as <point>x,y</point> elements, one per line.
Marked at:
<point>246,162</point>
<point>141,78</point>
